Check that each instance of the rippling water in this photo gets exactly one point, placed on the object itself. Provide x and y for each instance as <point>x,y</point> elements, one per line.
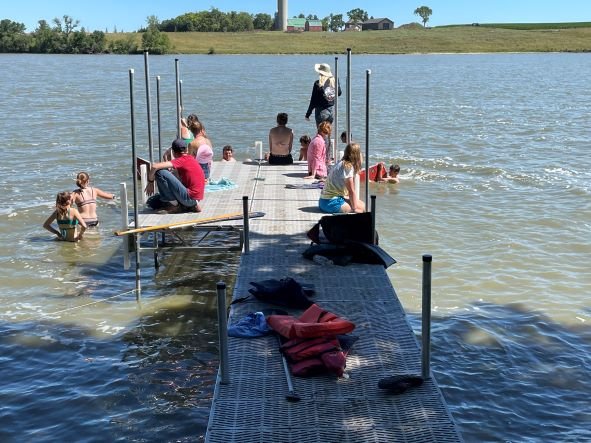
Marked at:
<point>495,185</point>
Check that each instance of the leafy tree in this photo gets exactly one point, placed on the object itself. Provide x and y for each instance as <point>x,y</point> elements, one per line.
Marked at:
<point>424,12</point>
<point>239,22</point>
<point>45,39</point>
<point>13,37</point>
<point>217,21</point>
<point>335,22</point>
<point>263,22</point>
<point>153,40</point>
<point>127,45</point>
<point>357,15</point>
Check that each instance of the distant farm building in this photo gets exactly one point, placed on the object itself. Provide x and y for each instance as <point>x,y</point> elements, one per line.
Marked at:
<point>301,25</point>
<point>314,25</point>
<point>352,26</point>
<point>377,24</point>
<point>296,24</point>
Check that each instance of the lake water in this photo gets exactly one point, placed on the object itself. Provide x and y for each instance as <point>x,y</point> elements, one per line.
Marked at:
<point>496,185</point>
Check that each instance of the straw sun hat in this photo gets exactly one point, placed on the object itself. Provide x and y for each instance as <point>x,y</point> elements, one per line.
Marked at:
<point>323,69</point>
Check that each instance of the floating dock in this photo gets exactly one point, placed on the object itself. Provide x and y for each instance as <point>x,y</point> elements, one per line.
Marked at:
<point>252,407</point>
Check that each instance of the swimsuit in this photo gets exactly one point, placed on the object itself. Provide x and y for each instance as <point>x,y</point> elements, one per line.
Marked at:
<point>66,224</point>
<point>89,221</point>
<point>84,200</point>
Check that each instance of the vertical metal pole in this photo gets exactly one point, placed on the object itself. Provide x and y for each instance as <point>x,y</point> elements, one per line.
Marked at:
<point>426,317</point>
<point>373,219</point>
<point>223,333</point>
<point>367,77</point>
<point>134,175</point>
<point>178,98</point>
<point>124,224</point>
<point>150,142</point>
<point>149,106</point>
<point>159,119</point>
<point>349,95</point>
<point>336,110</point>
<point>181,96</point>
<point>246,225</point>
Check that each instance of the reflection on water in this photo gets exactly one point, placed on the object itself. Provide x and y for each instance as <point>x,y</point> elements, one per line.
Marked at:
<point>495,184</point>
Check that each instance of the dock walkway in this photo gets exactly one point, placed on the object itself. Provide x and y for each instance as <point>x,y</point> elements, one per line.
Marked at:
<point>253,407</point>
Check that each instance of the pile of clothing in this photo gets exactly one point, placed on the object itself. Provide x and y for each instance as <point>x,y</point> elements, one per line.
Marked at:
<point>314,343</point>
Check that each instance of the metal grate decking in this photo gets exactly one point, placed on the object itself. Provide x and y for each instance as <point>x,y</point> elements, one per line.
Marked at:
<point>253,408</point>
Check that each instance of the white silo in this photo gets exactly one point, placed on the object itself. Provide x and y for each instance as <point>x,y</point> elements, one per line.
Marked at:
<point>282,15</point>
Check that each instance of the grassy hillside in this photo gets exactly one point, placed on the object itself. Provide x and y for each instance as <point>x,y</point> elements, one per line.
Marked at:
<point>453,39</point>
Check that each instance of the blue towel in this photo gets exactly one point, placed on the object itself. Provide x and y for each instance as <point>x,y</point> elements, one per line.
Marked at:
<point>253,325</point>
<point>222,184</point>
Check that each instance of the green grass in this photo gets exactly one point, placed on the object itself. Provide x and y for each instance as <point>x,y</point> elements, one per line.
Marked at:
<point>558,37</point>
<point>530,26</point>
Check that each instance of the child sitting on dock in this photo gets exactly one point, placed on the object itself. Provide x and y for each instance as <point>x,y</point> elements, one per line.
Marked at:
<point>205,158</point>
<point>339,193</point>
<point>85,198</point>
<point>304,143</point>
<point>68,219</point>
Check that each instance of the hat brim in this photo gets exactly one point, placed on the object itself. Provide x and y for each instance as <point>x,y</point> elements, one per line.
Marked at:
<point>321,72</point>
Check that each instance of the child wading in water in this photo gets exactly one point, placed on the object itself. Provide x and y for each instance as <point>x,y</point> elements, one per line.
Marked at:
<point>68,219</point>
<point>85,198</point>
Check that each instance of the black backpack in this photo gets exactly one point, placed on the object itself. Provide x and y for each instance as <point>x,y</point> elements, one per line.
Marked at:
<point>329,92</point>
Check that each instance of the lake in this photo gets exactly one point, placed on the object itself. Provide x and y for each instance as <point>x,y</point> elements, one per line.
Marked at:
<point>495,184</point>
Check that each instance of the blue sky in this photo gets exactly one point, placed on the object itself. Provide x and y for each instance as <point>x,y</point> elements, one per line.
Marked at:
<point>130,15</point>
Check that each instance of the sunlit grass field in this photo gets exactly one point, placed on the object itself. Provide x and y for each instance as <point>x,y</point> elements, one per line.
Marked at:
<point>558,37</point>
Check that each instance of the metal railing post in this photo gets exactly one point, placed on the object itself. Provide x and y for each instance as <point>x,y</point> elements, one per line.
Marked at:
<point>426,317</point>
<point>367,77</point>
<point>138,285</point>
<point>159,118</point>
<point>348,95</point>
<point>336,111</point>
<point>223,333</point>
<point>148,106</point>
<point>178,97</point>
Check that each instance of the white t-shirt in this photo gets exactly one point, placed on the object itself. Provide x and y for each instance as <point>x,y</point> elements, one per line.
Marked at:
<point>335,182</point>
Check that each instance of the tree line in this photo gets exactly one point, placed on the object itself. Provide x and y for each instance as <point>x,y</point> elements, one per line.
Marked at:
<point>59,37</point>
<point>215,20</point>
<point>63,36</point>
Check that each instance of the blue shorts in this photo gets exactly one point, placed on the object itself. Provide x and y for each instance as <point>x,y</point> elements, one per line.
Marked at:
<point>205,167</point>
<point>331,205</point>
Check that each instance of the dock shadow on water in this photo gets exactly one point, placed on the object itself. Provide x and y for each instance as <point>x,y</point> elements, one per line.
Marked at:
<point>129,370</point>
<point>504,353</point>
<point>117,368</point>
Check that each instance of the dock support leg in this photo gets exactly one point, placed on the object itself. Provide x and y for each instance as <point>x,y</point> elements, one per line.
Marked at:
<point>246,225</point>
<point>373,219</point>
<point>124,224</point>
<point>426,317</point>
<point>223,333</point>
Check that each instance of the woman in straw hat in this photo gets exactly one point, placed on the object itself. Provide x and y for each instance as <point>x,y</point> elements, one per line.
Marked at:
<point>323,94</point>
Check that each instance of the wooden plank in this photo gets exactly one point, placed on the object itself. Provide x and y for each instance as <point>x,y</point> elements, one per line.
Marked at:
<point>187,223</point>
